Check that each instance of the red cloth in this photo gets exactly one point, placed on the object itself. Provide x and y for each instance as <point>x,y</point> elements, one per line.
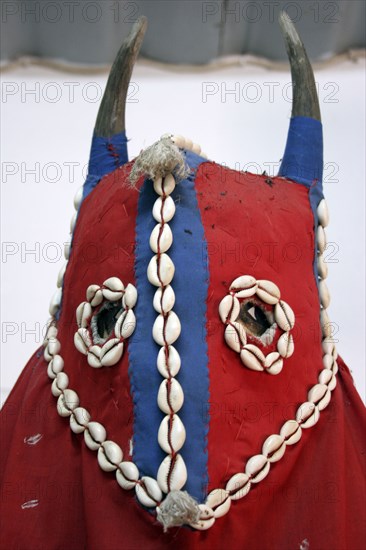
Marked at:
<point>55,496</point>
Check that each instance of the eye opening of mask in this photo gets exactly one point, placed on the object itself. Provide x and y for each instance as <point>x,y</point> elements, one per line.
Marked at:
<point>257,321</point>
<point>103,321</point>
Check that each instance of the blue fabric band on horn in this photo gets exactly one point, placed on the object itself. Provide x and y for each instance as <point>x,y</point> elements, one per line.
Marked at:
<point>303,163</point>
<point>303,158</point>
<point>190,284</point>
<point>106,154</point>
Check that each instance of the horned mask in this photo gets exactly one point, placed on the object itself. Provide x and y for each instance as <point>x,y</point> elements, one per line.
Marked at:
<point>183,378</point>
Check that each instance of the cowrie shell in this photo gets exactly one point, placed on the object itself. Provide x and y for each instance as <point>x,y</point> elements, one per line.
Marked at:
<point>252,357</point>
<point>164,299</point>
<point>189,144</point>
<point>206,520</point>
<point>73,222</point>
<point>161,238</point>
<point>274,448</point>
<point>67,250</point>
<point>196,148</point>
<point>50,333</point>
<point>55,366</point>
<point>328,346</point>
<point>229,308</point>
<point>328,361</point>
<point>321,239</point>
<point>78,197</point>
<point>238,486</point>
<point>171,434</point>
<point>94,435</point>
<point>61,274</point>
<point>327,377</point>
<point>111,352</point>
<point>163,209</point>
<point>323,214</point>
<point>162,274</point>
<point>125,325</point>
<point>94,357</point>
<point>109,456</point>
<point>235,336</point>
<point>130,296</point>
<point>320,395</point>
<point>127,475</point>
<point>268,292</point>
<point>82,340</point>
<point>244,286</point>
<point>273,363</point>
<point>55,302</point>
<point>327,327</point>
<point>322,267</point>
<point>324,294</point>
<point>172,473</point>
<point>59,384</point>
<point>307,415</point>
<point>333,383</point>
<point>94,295</point>
<point>257,467</point>
<point>284,316</point>
<point>148,492</point>
<point>291,432</point>
<point>67,402</point>
<point>166,330</point>
<point>164,186</point>
<point>83,314</point>
<point>79,420</point>
<point>170,396</point>
<point>219,501</point>
<point>113,289</point>
<point>285,345</point>
<point>171,356</point>
<point>52,349</point>
<point>179,141</point>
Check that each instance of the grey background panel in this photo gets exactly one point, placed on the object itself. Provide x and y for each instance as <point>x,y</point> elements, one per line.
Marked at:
<point>180,31</point>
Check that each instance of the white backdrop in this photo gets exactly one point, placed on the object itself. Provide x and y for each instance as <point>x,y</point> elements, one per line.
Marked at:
<point>238,114</point>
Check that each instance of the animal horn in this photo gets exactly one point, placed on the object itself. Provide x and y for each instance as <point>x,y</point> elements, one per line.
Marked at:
<point>305,101</point>
<point>111,115</point>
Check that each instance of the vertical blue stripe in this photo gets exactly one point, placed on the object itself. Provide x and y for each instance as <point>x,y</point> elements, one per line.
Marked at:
<point>190,285</point>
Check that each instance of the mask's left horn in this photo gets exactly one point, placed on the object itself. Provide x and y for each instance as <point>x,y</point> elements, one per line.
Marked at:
<point>111,115</point>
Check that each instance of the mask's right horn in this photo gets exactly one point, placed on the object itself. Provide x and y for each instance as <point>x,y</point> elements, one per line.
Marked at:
<point>303,157</point>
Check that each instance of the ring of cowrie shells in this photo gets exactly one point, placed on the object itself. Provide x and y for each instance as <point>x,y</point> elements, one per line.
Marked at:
<point>105,350</point>
<point>251,355</point>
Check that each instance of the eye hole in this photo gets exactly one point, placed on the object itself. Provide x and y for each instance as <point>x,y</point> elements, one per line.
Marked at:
<point>103,322</point>
<point>257,321</point>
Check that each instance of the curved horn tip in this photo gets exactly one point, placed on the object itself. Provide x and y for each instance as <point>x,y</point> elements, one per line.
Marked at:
<point>288,28</point>
<point>111,115</point>
<point>305,97</point>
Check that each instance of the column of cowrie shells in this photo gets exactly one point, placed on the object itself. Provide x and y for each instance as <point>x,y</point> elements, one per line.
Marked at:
<point>172,473</point>
<point>251,355</point>
<point>219,500</point>
<point>148,491</point>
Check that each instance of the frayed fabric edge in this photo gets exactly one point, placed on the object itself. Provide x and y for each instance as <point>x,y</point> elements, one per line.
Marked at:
<point>158,160</point>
